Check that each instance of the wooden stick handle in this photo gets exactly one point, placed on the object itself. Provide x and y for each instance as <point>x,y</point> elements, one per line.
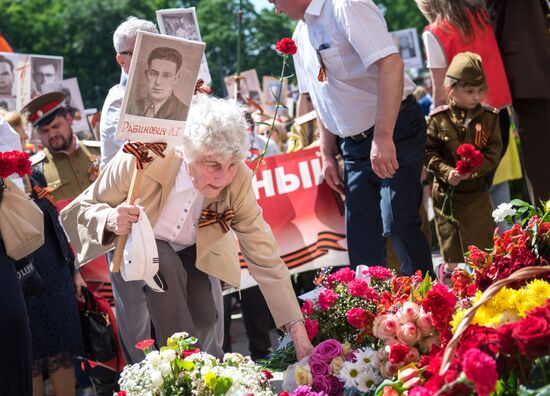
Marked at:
<point>135,187</point>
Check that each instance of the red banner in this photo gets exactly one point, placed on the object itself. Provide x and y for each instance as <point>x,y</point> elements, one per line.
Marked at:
<point>305,214</point>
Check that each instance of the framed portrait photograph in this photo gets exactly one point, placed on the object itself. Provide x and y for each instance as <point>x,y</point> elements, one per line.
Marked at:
<point>161,83</point>
<point>74,105</point>
<point>45,70</point>
<point>7,103</point>
<point>249,86</point>
<point>183,23</point>
<point>8,75</point>
<point>408,44</point>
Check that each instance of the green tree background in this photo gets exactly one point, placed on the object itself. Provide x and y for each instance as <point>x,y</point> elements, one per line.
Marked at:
<point>81,31</point>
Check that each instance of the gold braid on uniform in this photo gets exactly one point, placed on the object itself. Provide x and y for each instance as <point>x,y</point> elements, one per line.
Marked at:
<point>141,152</point>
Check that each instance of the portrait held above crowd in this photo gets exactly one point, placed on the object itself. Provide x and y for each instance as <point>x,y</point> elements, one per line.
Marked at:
<point>132,238</point>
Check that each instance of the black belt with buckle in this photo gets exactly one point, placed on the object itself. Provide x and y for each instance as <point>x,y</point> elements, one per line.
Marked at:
<point>361,137</point>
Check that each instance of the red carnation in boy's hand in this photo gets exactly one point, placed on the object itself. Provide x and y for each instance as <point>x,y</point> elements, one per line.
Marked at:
<point>477,159</point>
<point>286,46</point>
<point>463,167</point>
<point>466,151</point>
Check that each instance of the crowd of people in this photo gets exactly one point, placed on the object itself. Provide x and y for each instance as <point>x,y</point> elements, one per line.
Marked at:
<point>383,142</point>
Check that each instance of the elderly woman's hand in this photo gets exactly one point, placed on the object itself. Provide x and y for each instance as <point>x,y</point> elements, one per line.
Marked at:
<point>301,341</point>
<point>121,218</point>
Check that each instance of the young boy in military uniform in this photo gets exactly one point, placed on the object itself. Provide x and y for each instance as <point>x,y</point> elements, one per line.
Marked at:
<point>463,120</point>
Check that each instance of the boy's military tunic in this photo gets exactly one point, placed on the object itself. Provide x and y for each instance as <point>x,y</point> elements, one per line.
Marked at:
<point>448,128</point>
<point>68,175</point>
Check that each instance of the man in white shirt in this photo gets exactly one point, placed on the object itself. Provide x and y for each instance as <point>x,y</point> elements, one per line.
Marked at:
<point>349,64</point>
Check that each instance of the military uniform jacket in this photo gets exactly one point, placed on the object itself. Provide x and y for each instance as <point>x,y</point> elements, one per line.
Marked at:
<point>67,175</point>
<point>448,128</point>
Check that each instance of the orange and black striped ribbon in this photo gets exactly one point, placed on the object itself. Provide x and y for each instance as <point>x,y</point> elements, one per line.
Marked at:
<point>480,139</point>
<point>141,151</point>
<point>326,240</point>
<point>44,193</point>
<point>209,217</point>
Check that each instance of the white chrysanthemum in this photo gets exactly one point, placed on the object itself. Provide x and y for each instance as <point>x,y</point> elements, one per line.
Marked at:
<point>154,358</point>
<point>368,380</point>
<point>367,357</point>
<point>502,211</point>
<point>349,374</point>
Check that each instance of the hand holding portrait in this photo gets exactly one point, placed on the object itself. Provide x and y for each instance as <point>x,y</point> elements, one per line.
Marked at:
<point>121,218</point>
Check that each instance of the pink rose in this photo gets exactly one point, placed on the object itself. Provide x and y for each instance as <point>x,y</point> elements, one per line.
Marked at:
<point>424,324</point>
<point>385,326</point>
<point>327,350</point>
<point>408,333</point>
<point>307,307</point>
<point>408,312</point>
<point>327,299</point>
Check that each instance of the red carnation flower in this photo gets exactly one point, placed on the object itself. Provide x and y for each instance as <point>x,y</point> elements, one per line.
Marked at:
<point>481,369</point>
<point>267,374</point>
<point>286,46</point>
<point>398,353</point>
<point>312,328</point>
<point>440,302</point>
<point>360,288</point>
<point>121,393</point>
<point>463,167</point>
<point>357,317</point>
<point>327,299</point>
<point>477,159</point>
<point>14,162</point>
<point>189,352</point>
<point>145,344</point>
<point>466,151</point>
<point>307,307</point>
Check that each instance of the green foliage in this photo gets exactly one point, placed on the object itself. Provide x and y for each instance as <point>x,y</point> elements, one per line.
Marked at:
<point>81,31</point>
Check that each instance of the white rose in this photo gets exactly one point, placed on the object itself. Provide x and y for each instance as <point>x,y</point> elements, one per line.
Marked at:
<point>168,354</point>
<point>156,378</point>
<point>154,358</point>
<point>165,368</point>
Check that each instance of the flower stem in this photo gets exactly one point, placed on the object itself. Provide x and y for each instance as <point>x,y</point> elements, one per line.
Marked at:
<point>277,105</point>
<point>543,371</point>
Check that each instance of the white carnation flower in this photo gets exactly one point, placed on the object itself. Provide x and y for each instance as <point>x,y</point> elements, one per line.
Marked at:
<point>165,368</point>
<point>502,211</point>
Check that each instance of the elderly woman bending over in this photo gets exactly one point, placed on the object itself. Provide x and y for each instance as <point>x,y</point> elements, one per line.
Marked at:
<point>205,173</point>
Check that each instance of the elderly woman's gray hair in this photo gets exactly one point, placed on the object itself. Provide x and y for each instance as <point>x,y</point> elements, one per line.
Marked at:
<point>125,34</point>
<point>215,127</point>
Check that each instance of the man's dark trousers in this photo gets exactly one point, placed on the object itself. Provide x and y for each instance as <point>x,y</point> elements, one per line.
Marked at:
<point>380,208</point>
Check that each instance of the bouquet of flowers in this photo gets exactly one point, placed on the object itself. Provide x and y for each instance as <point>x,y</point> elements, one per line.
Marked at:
<point>334,368</point>
<point>181,369</point>
<point>470,159</point>
<point>14,162</point>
